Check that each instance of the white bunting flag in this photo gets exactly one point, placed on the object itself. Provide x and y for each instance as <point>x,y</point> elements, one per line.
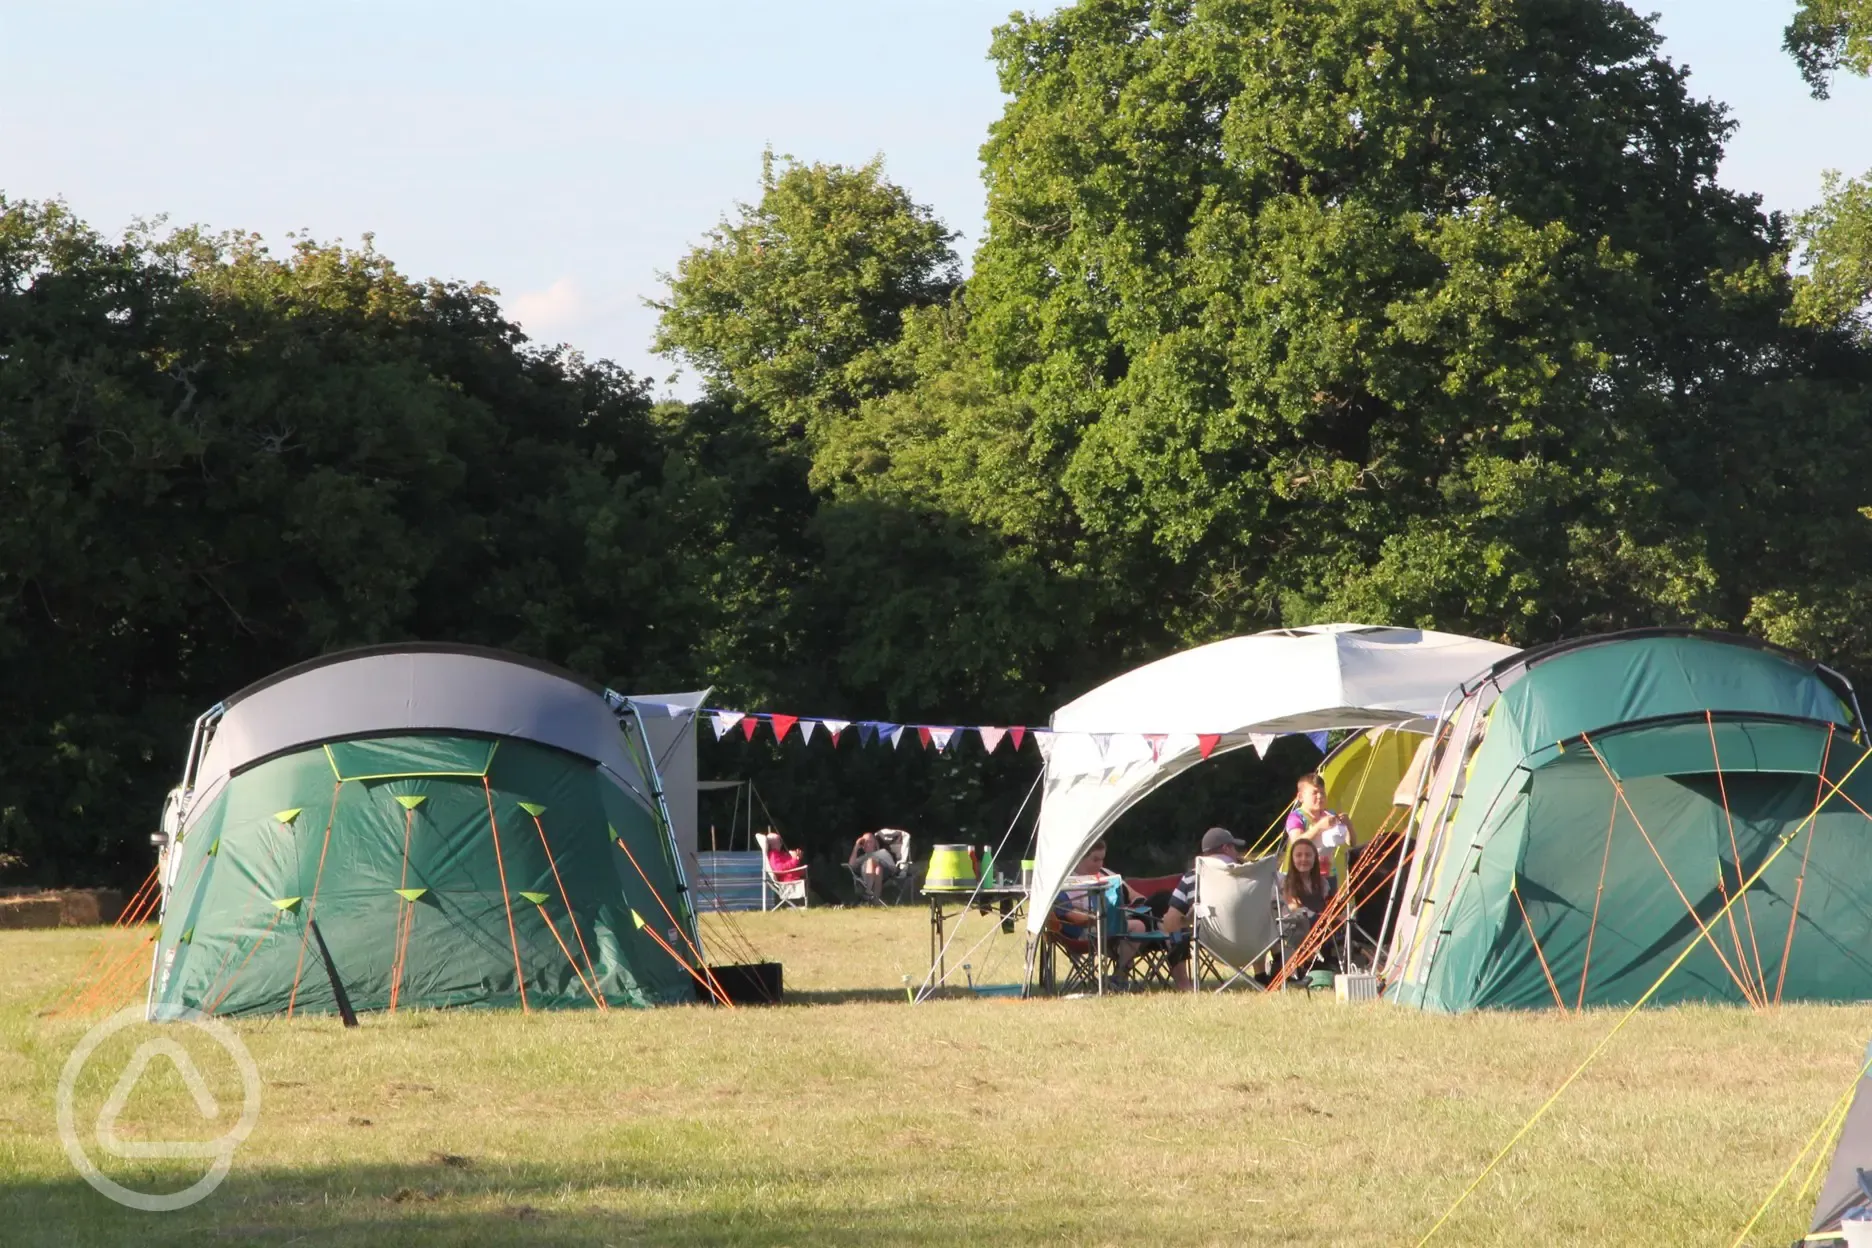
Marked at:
<point>1043,741</point>
<point>991,738</point>
<point>940,738</point>
<point>805,730</point>
<point>1101,741</point>
<point>836,726</point>
<point>1261,741</point>
<point>725,721</point>
<point>896,734</point>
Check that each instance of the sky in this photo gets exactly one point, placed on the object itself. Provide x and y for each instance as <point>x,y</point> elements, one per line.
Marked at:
<point>567,153</point>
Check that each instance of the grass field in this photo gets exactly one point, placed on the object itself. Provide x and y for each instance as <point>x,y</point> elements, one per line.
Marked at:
<point>850,1117</point>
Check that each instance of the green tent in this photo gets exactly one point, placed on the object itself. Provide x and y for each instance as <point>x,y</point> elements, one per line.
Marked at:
<point>462,827</point>
<point>1591,807</point>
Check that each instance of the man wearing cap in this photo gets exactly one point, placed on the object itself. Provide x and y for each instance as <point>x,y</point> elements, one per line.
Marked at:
<point>1216,843</point>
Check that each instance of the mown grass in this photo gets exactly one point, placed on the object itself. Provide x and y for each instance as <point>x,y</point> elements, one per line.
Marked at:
<point>853,1118</point>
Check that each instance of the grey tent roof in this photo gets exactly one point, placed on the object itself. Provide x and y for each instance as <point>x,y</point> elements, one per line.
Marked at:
<point>413,688</point>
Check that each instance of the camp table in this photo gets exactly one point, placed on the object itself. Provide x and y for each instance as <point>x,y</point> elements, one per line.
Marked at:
<point>1009,899</point>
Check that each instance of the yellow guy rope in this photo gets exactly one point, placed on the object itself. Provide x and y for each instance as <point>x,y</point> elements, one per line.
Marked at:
<point>1703,931</point>
<point>1834,1120</point>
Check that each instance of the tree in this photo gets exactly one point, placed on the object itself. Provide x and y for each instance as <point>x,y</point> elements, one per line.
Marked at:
<point>1363,308</point>
<point>789,306</point>
<point>215,462</point>
<point>1829,35</point>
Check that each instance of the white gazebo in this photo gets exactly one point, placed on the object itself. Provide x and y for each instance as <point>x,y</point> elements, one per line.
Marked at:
<point>1120,742</point>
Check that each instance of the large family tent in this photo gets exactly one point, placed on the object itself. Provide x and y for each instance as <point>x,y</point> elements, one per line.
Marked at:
<point>1593,806</point>
<point>1125,739</point>
<point>429,826</point>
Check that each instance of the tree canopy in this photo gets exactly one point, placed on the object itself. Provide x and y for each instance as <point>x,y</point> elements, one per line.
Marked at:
<point>1287,310</point>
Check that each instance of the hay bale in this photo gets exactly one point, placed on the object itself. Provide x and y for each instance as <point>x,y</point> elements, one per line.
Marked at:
<point>88,907</point>
<point>24,912</point>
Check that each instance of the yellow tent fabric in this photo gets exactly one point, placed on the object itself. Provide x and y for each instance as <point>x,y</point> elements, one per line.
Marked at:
<point>1362,776</point>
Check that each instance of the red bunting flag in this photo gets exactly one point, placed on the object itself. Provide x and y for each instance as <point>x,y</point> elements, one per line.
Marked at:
<point>1019,734</point>
<point>1207,741</point>
<point>923,735</point>
<point>749,727</point>
<point>1156,740</point>
<point>783,724</point>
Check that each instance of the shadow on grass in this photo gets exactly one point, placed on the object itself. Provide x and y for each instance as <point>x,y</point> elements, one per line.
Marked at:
<point>463,1201</point>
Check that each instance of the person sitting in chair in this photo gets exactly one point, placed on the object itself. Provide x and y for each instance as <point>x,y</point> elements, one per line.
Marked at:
<point>1216,843</point>
<point>1305,888</point>
<point>1073,910</point>
<point>872,861</point>
<point>786,864</point>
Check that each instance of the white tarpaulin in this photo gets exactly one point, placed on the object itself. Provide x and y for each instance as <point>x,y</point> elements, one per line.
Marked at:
<point>1122,740</point>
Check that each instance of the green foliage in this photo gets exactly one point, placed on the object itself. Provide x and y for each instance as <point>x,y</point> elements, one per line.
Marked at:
<point>788,306</point>
<point>1829,35</point>
<point>215,462</point>
<point>1835,238</point>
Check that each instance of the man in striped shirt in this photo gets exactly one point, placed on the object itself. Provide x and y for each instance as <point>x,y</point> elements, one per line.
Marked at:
<point>1216,843</point>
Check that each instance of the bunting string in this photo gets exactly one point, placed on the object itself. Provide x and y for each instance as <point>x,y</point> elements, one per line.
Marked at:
<point>989,738</point>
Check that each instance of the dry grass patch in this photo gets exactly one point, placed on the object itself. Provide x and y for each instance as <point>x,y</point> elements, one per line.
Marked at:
<point>853,1118</point>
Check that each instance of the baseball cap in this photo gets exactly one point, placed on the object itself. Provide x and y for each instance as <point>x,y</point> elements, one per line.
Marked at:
<point>1216,838</point>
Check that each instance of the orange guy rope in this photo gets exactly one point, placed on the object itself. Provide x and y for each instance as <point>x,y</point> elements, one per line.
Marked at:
<point>1748,993</point>
<point>513,938</point>
<point>312,902</point>
<point>1515,892</point>
<point>1598,896</point>
<point>571,916</point>
<point>700,960</point>
<point>1735,851</point>
<point>1800,881</point>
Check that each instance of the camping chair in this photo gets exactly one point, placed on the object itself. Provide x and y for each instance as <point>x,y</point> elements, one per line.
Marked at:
<point>893,890</point>
<point>1235,918</point>
<point>782,894</point>
<point>1081,953</point>
<point>1152,964</point>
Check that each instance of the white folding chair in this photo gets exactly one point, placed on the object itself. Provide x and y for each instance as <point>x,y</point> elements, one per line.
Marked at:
<point>1235,917</point>
<point>776,893</point>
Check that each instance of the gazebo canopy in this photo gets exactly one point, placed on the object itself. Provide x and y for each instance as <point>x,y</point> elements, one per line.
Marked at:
<point>1124,739</point>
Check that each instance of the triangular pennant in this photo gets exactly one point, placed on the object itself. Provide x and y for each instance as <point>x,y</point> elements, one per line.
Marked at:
<point>941,737</point>
<point>410,801</point>
<point>867,732</point>
<point>215,848</point>
<point>1206,742</point>
<point>1019,735</point>
<point>533,808</point>
<point>1156,742</point>
<point>637,920</point>
<point>1043,741</point>
<point>1318,739</point>
<point>409,894</point>
<point>724,721</point>
<point>287,816</point>
<point>835,727</point>
<point>749,726</point>
<point>895,734</point>
<point>187,938</point>
<point>923,735</point>
<point>1260,741</point>
<point>286,903</point>
<point>783,724</point>
<point>538,899</point>
<point>1101,741</point>
<point>991,738</point>
<point>805,730</point>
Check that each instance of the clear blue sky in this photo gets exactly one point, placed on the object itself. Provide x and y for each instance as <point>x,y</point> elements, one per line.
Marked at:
<point>566,152</point>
